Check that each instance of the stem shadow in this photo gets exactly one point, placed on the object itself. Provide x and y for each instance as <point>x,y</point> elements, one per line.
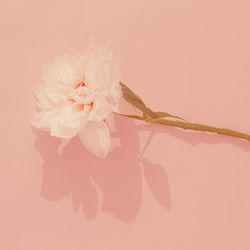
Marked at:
<point>194,137</point>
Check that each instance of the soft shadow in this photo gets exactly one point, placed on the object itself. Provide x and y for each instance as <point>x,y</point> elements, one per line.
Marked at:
<point>157,181</point>
<point>113,184</point>
<point>194,137</point>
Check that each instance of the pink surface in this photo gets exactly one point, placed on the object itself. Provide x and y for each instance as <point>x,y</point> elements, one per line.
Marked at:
<point>185,190</point>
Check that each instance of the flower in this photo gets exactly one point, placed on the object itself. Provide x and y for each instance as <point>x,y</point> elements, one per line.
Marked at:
<point>79,92</point>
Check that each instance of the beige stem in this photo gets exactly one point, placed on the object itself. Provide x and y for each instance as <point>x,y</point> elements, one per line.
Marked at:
<point>194,126</point>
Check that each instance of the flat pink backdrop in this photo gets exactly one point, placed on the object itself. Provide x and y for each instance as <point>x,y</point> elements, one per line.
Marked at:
<point>160,188</point>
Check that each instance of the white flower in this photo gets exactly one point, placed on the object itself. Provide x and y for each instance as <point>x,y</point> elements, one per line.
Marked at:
<point>79,92</point>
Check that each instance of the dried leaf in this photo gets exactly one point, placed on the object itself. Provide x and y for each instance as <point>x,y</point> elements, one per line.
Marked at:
<point>164,114</point>
<point>136,101</point>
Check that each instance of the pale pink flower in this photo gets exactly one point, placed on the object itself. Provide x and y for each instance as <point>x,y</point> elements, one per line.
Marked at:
<point>79,92</point>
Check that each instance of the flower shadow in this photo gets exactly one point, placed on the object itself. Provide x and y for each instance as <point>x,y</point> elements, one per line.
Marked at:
<point>113,184</point>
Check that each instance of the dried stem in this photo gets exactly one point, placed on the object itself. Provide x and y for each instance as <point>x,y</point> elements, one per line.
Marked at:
<point>193,126</point>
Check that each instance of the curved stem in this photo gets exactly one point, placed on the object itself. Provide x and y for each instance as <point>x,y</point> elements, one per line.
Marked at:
<point>157,117</point>
<point>201,127</point>
<point>194,126</point>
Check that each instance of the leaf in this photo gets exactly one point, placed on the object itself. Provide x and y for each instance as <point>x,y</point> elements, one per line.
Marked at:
<point>164,114</point>
<point>136,101</point>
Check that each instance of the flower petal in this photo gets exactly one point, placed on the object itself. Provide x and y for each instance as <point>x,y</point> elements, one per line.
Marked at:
<point>66,69</point>
<point>101,110</point>
<point>101,70</point>
<point>42,120</point>
<point>61,131</point>
<point>69,122</point>
<point>95,138</point>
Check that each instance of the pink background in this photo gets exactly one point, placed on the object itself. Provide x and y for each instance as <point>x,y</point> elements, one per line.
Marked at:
<point>184,190</point>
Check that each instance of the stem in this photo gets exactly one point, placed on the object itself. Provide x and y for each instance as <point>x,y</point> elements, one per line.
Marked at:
<point>201,127</point>
<point>195,126</point>
<point>157,117</point>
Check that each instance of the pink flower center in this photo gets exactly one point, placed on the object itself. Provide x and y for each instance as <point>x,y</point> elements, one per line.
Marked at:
<point>79,84</point>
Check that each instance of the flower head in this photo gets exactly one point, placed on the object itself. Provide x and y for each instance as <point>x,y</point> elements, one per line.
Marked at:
<point>79,92</point>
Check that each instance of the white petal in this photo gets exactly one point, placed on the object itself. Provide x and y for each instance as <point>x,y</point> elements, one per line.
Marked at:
<point>69,122</point>
<point>95,138</point>
<point>101,70</point>
<point>65,127</point>
<point>61,131</point>
<point>73,116</point>
<point>42,120</point>
<point>101,110</point>
<point>66,69</point>
<point>43,101</point>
